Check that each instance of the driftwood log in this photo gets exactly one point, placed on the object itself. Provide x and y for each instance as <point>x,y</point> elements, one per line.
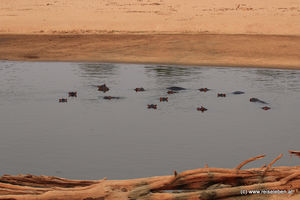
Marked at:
<point>199,184</point>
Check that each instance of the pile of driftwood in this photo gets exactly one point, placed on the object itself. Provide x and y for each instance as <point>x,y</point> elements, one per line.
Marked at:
<point>199,184</point>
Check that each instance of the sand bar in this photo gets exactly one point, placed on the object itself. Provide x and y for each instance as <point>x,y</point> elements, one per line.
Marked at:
<point>185,49</point>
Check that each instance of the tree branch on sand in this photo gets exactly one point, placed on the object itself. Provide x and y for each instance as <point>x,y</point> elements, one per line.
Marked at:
<point>198,184</point>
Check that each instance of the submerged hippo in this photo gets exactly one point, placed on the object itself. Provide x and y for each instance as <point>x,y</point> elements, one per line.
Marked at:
<point>221,95</point>
<point>139,89</point>
<point>257,100</point>
<point>72,94</point>
<point>163,99</point>
<point>63,100</point>
<point>176,88</point>
<point>110,97</point>
<point>204,89</point>
<point>103,88</point>
<point>152,106</point>
<point>171,92</point>
<point>266,108</point>
<point>238,92</point>
<point>202,109</point>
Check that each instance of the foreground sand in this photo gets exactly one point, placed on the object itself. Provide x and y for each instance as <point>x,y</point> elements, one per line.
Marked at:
<point>187,49</point>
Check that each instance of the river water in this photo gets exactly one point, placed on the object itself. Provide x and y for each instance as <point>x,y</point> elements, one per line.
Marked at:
<point>90,137</point>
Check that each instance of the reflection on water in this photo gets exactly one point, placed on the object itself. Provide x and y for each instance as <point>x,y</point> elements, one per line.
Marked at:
<point>165,71</point>
<point>170,75</point>
<point>92,137</point>
<point>99,70</point>
<point>278,78</point>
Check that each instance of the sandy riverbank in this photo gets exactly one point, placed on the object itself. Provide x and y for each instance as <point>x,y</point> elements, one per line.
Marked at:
<point>229,33</point>
<point>187,49</point>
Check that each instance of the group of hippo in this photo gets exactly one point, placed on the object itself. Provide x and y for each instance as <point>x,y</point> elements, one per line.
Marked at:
<point>65,100</point>
<point>171,90</point>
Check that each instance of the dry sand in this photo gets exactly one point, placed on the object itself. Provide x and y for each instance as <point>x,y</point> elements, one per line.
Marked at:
<point>197,32</point>
<point>204,16</point>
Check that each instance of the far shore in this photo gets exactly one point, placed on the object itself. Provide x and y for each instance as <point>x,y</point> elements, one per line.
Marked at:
<point>235,33</point>
<point>267,51</point>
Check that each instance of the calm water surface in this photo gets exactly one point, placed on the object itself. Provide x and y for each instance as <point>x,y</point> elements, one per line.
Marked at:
<point>92,138</point>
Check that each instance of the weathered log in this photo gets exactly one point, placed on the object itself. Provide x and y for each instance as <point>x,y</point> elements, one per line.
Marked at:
<point>201,184</point>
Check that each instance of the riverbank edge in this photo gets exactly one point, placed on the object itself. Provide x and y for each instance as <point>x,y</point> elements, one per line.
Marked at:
<point>221,50</point>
